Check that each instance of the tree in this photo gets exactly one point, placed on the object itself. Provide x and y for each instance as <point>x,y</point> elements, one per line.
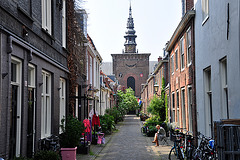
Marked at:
<point>157,105</point>
<point>127,100</point>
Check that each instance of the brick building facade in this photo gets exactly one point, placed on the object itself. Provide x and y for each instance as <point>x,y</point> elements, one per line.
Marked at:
<point>182,72</point>
<point>131,68</point>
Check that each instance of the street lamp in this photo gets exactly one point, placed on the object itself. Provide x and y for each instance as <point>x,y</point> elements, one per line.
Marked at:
<point>156,86</point>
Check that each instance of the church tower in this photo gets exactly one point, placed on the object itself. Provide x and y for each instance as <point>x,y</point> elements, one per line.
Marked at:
<point>130,43</point>
<point>131,68</point>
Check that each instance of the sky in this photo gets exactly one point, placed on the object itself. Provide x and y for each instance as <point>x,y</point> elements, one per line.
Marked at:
<point>154,23</point>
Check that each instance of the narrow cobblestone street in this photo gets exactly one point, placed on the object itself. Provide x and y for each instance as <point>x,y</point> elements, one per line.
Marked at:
<point>129,144</point>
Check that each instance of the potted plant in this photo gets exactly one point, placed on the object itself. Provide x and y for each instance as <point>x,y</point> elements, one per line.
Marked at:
<point>70,138</point>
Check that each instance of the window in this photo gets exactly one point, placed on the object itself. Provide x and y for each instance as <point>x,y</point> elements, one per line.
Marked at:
<point>223,77</point>
<point>46,105</point>
<point>172,64</point>
<point>176,59</point>
<point>62,98</point>
<point>64,26</point>
<point>182,52</point>
<point>15,110</point>
<point>190,119</point>
<point>178,108</point>
<point>205,10</point>
<point>183,109</point>
<point>208,102</point>
<point>91,69</point>
<point>189,47</point>
<point>46,16</point>
<point>173,107</point>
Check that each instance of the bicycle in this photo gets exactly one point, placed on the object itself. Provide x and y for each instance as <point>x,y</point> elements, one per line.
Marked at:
<point>177,149</point>
<point>205,150</point>
<point>189,147</point>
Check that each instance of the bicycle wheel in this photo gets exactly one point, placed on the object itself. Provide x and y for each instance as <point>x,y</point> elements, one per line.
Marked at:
<point>180,154</point>
<point>172,154</point>
<point>197,154</point>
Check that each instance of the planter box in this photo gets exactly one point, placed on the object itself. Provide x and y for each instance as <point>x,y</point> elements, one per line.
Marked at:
<point>68,153</point>
<point>83,150</point>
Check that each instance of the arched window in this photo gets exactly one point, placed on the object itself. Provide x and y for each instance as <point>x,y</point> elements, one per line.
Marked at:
<point>131,83</point>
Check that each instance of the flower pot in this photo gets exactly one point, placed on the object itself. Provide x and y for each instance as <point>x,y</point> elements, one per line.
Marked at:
<point>68,153</point>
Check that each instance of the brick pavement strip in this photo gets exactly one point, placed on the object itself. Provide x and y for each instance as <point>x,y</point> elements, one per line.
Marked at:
<point>127,143</point>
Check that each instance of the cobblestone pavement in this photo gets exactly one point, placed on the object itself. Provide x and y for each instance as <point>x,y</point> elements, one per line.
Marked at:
<point>128,144</point>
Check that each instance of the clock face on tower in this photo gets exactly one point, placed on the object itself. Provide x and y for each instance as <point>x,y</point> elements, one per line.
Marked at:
<point>131,48</point>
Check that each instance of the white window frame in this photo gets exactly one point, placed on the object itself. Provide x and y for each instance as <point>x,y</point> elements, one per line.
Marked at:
<point>18,83</point>
<point>190,117</point>
<point>91,69</point>
<point>205,11</point>
<point>189,46</point>
<point>208,101</point>
<point>47,15</point>
<point>172,64</point>
<point>32,84</point>
<point>224,87</point>
<point>62,101</point>
<point>173,108</point>
<point>177,103</point>
<point>183,107</point>
<point>182,58</point>
<point>64,24</point>
<point>46,105</point>
<point>176,59</point>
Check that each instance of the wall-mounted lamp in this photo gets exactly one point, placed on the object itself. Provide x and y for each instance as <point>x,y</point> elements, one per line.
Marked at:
<point>59,88</point>
<point>24,32</point>
<point>40,84</point>
<point>4,75</point>
<point>156,86</point>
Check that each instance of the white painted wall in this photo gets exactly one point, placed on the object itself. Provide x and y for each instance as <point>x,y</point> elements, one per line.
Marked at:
<point>211,45</point>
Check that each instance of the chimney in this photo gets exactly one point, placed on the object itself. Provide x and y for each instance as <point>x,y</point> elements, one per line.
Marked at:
<point>187,5</point>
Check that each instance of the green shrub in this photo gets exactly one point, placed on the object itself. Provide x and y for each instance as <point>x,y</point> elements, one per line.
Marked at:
<point>46,155</point>
<point>72,132</point>
<point>107,123</point>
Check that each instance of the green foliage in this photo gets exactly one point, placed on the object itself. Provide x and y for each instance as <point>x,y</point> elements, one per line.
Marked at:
<point>46,155</point>
<point>152,121</point>
<point>152,129</point>
<point>127,101</point>
<point>117,114</point>
<point>107,123</point>
<point>72,132</point>
<point>155,106</point>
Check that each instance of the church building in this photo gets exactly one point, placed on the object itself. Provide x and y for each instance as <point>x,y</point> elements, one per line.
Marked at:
<point>130,67</point>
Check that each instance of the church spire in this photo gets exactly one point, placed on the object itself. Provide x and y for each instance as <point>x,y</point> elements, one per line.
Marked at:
<point>130,43</point>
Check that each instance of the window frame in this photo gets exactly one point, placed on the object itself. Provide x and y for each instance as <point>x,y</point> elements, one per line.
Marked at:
<point>46,104</point>
<point>173,107</point>
<point>224,85</point>
<point>189,46</point>
<point>62,101</point>
<point>176,59</point>
<point>47,15</point>
<point>172,64</point>
<point>64,24</point>
<point>182,54</point>
<point>205,11</point>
